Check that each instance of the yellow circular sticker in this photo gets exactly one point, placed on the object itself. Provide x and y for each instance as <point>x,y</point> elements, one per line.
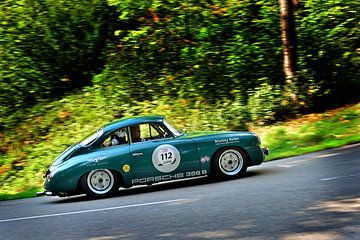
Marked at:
<point>126,168</point>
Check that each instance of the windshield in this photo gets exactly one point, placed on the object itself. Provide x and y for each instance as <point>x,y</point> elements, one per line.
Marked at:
<point>90,139</point>
<point>172,129</point>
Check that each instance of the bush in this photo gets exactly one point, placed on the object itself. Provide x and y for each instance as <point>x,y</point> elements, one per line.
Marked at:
<point>264,102</point>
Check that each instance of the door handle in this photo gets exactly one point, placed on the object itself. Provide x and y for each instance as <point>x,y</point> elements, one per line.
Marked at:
<point>137,154</point>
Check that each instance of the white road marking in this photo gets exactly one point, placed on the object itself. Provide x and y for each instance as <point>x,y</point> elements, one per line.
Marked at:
<point>293,163</point>
<point>286,165</point>
<point>327,155</point>
<point>338,177</point>
<point>92,210</point>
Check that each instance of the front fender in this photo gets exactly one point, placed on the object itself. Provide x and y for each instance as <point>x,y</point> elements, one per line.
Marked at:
<point>208,146</point>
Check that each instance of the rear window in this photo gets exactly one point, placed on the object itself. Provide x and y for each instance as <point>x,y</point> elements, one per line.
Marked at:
<point>92,138</point>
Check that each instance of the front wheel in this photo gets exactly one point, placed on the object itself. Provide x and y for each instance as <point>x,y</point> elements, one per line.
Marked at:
<point>229,163</point>
<point>100,183</point>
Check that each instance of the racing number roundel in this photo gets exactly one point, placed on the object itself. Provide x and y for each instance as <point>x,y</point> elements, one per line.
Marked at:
<point>166,158</point>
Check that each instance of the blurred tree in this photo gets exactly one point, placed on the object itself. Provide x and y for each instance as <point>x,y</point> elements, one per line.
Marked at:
<point>289,40</point>
<point>215,49</point>
<point>218,51</point>
<point>49,47</point>
<point>329,37</point>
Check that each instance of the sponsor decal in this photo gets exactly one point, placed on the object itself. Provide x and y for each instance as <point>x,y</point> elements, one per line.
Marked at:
<point>97,161</point>
<point>166,158</point>
<point>99,158</point>
<point>227,140</point>
<point>204,159</point>
<point>126,168</point>
<point>169,177</point>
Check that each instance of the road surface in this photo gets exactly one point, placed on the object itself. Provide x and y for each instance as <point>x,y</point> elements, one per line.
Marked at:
<point>314,196</point>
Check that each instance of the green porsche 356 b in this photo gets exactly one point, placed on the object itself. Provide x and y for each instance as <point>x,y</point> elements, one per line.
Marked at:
<point>146,150</point>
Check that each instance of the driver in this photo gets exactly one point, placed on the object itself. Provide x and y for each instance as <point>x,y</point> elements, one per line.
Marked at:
<point>135,133</point>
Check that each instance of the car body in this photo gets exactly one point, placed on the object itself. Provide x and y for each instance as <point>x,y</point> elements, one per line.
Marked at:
<point>147,150</point>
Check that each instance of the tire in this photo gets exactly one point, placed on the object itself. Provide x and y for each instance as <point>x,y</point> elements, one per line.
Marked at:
<point>100,183</point>
<point>230,162</point>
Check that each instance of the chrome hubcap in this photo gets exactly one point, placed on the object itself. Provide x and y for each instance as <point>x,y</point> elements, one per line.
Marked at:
<point>100,181</point>
<point>231,162</point>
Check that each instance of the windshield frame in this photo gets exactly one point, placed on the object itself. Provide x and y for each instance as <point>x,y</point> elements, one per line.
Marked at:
<point>92,138</point>
<point>174,131</point>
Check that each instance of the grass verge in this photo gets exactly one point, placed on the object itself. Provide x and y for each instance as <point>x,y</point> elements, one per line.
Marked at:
<point>313,132</point>
<point>28,193</point>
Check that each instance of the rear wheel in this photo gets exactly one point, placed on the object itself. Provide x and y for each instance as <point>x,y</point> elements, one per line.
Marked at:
<point>229,162</point>
<point>100,183</point>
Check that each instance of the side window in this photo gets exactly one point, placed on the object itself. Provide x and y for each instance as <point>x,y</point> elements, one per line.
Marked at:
<point>146,132</point>
<point>117,138</point>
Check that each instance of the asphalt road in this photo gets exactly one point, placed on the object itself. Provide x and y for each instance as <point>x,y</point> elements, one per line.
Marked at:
<point>314,196</point>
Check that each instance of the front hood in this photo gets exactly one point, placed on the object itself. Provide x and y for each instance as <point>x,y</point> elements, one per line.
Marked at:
<point>65,155</point>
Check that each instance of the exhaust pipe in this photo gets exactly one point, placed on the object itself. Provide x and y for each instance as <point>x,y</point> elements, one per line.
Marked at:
<point>43,193</point>
<point>39,194</point>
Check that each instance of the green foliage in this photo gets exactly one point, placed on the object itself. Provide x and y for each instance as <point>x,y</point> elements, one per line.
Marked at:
<point>265,102</point>
<point>329,51</point>
<point>219,49</point>
<point>213,49</point>
<point>47,47</point>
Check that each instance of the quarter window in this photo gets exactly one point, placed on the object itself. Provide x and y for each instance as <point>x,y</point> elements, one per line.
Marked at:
<point>119,137</point>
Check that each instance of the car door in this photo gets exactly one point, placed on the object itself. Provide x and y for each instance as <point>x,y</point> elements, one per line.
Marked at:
<point>165,158</point>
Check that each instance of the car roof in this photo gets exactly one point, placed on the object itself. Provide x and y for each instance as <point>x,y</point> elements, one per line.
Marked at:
<point>124,122</point>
